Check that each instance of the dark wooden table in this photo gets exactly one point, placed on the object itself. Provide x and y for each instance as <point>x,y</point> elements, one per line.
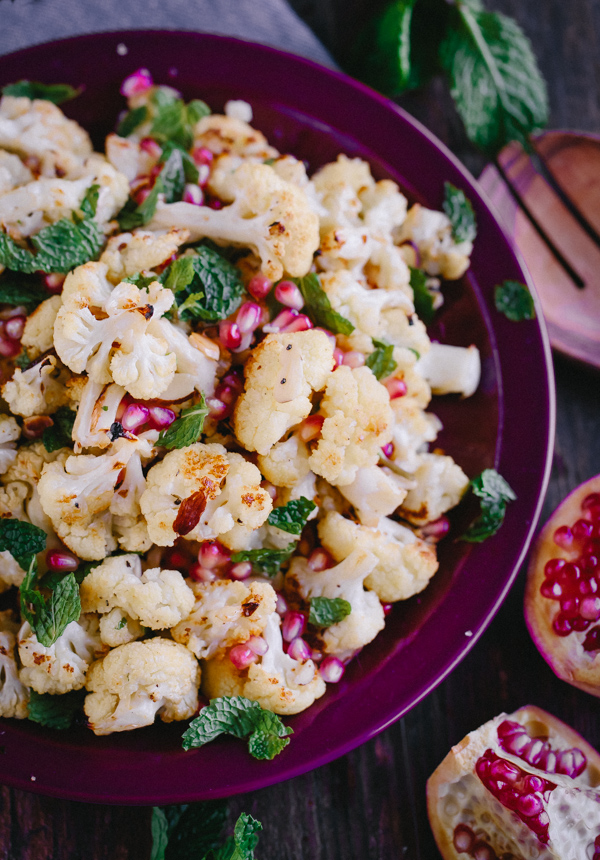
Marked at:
<point>371,803</point>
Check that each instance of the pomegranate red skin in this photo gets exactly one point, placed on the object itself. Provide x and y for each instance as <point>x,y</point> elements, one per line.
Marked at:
<point>463,757</point>
<point>564,654</point>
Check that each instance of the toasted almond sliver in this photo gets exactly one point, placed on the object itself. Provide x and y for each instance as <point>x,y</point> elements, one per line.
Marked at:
<point>205,345</point>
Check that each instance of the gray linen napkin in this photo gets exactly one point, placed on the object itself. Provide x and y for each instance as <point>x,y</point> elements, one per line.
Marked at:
<point>271,22</point>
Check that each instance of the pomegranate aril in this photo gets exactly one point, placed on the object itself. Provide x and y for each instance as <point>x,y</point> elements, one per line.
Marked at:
<point>241,656</point>
<point>239,571</point>
<point>563,537</point>
<point>61,561</point>
<point>388,450</point>
<point>9,348</point>
<point>151,147</point>
<point>592,640</point>
<point>299,650</point>
<point>217,409</point>
<point>436,529</point>
<point>175,559</point>
<point>226,394</point>
<point>258,645</point>
<point>54,282</point>
<point>562,625</point>
<point>259,286</point>
<point>135,416</point>
<point>320,559</point>
<point>553,566</point>
<point>387,608</point>
<point>211,554</point>
<point>294,624</point>
<point>331,670</point>
<point>288,294</point>
<point>229,334</point>
<point>396,388</point>
<point>161,417</point>
<point>590,608</point>
<point>570,607</point>
<point>300,323</point>
<point>571,762</point>
<point>138,82</point>
<point>13,327</point>
<point>202,155</point>
<point>552,590</point>
<point>201,574</point>
<point>591,503</point>
<point>338,357</point>
<point>354,358</point>
<point>193,194</point>
<point>311,428</point>
<point>581,530</point>
<point>281,606</point>
<point>248,317</point>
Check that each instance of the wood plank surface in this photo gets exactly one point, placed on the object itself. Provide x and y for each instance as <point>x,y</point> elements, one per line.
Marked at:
<point>370,804</point>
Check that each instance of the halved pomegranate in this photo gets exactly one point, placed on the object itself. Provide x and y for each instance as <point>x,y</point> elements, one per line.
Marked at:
<point>522,786</point>
<point>562,599</point>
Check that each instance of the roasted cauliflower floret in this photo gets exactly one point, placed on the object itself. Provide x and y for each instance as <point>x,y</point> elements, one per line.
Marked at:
<point>451,369</point>
<point>11,573</point>
<point>201,492</point>
<point>38,334</point>
<point>76,494</point>
<point>413,429</point>
<point>224,614</point>
<point>157,598</point>
<point>277,682</point>
<point>375,492</point>
<point>440,485</point>
<point>22,480</point>
<point>39,390</point>
<point>96,413</point>
<point>272,217</point>
<point>129,253</point>
<point>117,334</point>
<point>12,172</point>
<point>9,433</point>
<point>228,134</point>
<point>281,374</point>
<point>63,666</point>
<point>286,464</point>
<point>39,128</point>
<point>14,695</point>
<point>118,628</point>
<point>358,422</point>
<point>139,680</point>
<point>431,232</point>
<point>345,580</point>
<point>405,564</point>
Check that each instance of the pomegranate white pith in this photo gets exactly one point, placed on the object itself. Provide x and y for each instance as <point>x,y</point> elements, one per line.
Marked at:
<point>523,786</point>
<point>562,599</point>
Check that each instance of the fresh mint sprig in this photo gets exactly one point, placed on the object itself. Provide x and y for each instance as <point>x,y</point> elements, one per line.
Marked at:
<point>186,831</point>
<point>242,718</point>
<point>55,712</point>
<point>459,210</point>
<point>513,299</point>
<point>494,494</point>
<point>170,182</point>
<point>293,516</point>
<point>206,285</point>
<point>56,93</point>
<point>186,429</point>
<point>421,296</point>
<point>381,361</point>
<point>318,307</point>
<point>267,561</point>
<point>59,435</point>
<point>325,611</point>
<point>22,540</point>
<point>49,615</point>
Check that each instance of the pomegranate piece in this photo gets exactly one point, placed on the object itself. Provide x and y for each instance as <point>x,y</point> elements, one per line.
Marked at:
<point>521,786</point>
<point>562,598</point>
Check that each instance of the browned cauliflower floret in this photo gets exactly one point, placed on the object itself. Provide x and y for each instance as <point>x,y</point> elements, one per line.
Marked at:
<point>39,128</point>
<point>405,564</point>
<point>375,492</point>
<point>227,134</point>
<point>202,492</point>
<point>225,613</point>
<point>14,695</point>
<point>38,334</point>
<point>129,253</point>
<point>277,681</point>
<point>431,232</point>
<point>9,433</point>
<point>139,680</point>
<point>440,485</point>
<point>358,422</point>
<point>39,390</point>
<point>451,369</point>
<point>272,217</point>
<point>286,464</point>
<point>118,628</point>
<point>157,598</point>
<point>62,666</point>
<point>281,374</point>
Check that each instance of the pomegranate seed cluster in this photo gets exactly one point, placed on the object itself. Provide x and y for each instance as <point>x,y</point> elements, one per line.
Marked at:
<point>220,415</point>
<point>575,584</point>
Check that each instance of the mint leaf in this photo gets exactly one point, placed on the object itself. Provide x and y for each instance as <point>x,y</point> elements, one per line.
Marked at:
<point>56,93</point>
<point>495,80</point>
<point>185,831</point>
<point>292,517</point>
<point>460,212</point>
<point>186,429</point>
<point>174,120</point>
<point>56,712</point>
<point>513,299</point>
<point>318,306</point>
<point>60,434</point>
<point>267,561</point>
<point>22,360</point>
<point>381,361</point>
<point>172,176</point>
<point>21,289</point>
<point>170,182</point>
<point>142,282</point>
<point>241,845</point>
<point>421,296</point>
<point>22,540</point>
<point>240,717</point>
<point>60,247</point>
<point>209,288</point>
<point>89,204</point>
<point>131,120</point>
<point>63,607</point>
<point>325,611</point>
<point>189,166</point>
<point>159,828</point>
<point>494,494</point>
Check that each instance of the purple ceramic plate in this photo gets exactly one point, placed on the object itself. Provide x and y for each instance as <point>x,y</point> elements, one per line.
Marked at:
<point>508,424</point>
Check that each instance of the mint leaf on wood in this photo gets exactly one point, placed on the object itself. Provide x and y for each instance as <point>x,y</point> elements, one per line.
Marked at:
<point>242,718</point>
<point>293,516</point>
<point>318,307</point>
<point>185,831</point>
<point>513,299</point>
<point>56,93</point>
<point>460,212</point>
<point>494,78</point>
<point>267,561</point>
<point>494,495</point>
<point>186,429</point>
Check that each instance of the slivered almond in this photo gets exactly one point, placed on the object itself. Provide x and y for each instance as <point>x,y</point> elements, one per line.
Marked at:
<point>205,345</point>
